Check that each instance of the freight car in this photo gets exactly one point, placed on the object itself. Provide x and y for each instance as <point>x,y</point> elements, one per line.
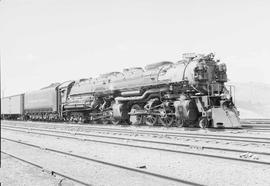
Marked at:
<point>12,107</point>
<point>191,92</point>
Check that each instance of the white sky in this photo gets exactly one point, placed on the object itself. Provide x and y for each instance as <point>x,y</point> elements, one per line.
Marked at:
<point>45,41</point>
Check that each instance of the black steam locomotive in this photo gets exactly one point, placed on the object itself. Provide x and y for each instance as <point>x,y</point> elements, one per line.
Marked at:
<point>191,92</point>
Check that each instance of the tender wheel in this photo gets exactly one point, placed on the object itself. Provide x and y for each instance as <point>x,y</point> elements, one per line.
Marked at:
<point>151,120</point>
<point>168,119</point>
<point>203,123</point>
<point>81,120</point>
<point>135,119</point>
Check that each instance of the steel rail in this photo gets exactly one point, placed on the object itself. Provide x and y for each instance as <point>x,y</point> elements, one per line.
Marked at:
<point>52,171</point>
<point>176,134</point>
<point>105,163</point>
<point>255,126</point>
<point>161,149</point>
<point>258,129</point>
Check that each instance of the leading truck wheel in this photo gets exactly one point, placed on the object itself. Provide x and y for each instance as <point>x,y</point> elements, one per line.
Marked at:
<point>203,123</point>
<point>135,119</point>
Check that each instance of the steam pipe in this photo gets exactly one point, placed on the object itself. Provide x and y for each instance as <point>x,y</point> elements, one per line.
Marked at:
<point>131,93</point>
<point>137,98</point>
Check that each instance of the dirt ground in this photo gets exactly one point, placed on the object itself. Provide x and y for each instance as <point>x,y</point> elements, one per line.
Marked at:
<point>203,170</point>
<point>17,173</point>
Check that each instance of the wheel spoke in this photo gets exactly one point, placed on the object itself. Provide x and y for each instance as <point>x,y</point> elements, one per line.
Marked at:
<point>151,120</point>
<point>168,119</point>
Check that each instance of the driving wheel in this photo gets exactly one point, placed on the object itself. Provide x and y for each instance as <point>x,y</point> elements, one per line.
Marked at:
<point>167,119</point>
<point>151,120</point>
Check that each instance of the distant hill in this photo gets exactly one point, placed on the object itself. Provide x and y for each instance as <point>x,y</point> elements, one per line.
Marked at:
<point>252,99</point>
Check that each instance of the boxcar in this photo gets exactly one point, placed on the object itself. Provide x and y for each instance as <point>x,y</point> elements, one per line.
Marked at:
<point>12,107</point>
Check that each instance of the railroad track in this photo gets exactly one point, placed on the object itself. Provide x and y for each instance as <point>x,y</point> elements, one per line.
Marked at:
<point>258,129</point>
<point>165,134</point>
<point>185,134</point>
<point>173,179</point>
<point>168,146</point>
<point>255,121</point>
<point>246,123</point>
<point>246,127</point>
<point>260,125</point>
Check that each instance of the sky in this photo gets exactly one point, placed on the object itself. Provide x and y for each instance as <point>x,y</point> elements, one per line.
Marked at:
<point>47,41</point>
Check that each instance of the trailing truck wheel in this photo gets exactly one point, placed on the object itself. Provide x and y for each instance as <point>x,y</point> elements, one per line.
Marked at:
<point>135,119</point>
<point>168,119</point>
<point>151,120</point>
<point>203,123</point>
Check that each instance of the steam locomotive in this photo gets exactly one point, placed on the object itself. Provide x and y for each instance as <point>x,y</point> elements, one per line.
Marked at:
<point>190,92</point>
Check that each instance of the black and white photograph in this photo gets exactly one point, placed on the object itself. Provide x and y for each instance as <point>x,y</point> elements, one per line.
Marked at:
<point>135,92</point>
